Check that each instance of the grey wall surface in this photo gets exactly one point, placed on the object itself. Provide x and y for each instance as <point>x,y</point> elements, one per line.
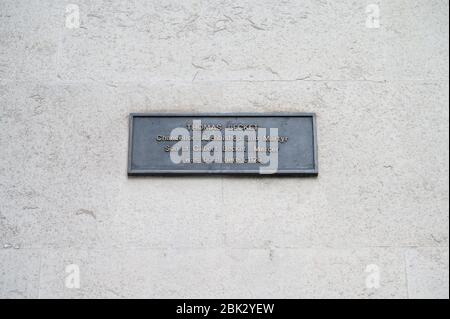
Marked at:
<point>379,208</point>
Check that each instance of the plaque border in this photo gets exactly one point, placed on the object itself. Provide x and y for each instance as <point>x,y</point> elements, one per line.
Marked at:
<point>283,172</point>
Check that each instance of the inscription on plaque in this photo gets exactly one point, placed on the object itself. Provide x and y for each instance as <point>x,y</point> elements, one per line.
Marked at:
<point>267,144</point>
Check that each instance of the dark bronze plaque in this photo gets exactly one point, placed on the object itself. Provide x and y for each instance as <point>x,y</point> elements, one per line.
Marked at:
<point>252,144</point>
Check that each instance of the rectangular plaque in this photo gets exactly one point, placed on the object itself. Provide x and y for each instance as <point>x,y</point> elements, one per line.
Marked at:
<point>242,143</point>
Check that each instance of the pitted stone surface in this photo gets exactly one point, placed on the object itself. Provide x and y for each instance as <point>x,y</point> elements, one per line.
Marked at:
<point>378,207</point>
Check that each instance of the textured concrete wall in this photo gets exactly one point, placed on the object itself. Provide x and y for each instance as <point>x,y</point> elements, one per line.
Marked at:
<point>378,210</point>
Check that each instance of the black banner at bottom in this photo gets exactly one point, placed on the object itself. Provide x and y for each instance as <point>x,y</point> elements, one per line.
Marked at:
<point>211,308</point>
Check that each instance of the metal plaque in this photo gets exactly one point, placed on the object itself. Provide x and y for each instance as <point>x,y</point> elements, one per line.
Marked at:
<point>242,143</point>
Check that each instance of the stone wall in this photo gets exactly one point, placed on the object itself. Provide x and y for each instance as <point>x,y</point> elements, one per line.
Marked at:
<point>374,224</point>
